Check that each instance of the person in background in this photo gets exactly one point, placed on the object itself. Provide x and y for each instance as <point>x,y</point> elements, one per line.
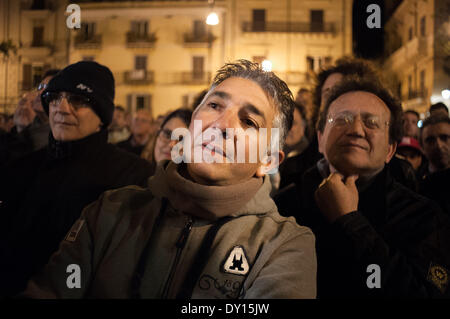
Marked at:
<point>42,194</point>
<point>361,217</point>
<point>160,144</point>
<point>304,97</point>
<point>410,127</point>
<point>435,141</point>
<point>118,130</point>
<point>296,161</point>
<point>40,127</point>
<point>438,108</point>
<point>140,132</point>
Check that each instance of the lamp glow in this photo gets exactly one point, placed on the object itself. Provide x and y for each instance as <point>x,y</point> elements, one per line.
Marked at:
<point>266,65</point>
<point>445,94</point>
<point>212,19</point>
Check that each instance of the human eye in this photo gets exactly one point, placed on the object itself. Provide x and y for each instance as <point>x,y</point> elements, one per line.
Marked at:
<point>213,105</point>
<point>250,123</point>
<point>372,122</point>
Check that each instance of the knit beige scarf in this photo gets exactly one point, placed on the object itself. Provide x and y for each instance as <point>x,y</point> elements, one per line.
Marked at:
<point>208,202</point>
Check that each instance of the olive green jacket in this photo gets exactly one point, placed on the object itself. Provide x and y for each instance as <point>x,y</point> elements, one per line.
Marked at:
<point>132,242</point>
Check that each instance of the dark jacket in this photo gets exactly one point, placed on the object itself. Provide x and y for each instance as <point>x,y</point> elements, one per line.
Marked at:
<point>404,233</point>
<point>436,187</point>
<point>44,193</point>
<point>128,146</point>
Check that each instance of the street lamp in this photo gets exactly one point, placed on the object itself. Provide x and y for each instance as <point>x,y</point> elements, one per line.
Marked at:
<point>212,19</point>
<point>266,65</point>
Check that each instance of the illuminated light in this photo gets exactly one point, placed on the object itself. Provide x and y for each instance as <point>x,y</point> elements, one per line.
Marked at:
<point>420,123</point>
<point>212,19</point>
<point>266,65</point>
<point>445,94</point>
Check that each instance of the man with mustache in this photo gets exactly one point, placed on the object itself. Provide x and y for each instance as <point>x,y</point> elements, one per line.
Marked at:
<point>200,230</point>
<point>374,237</point>
<point>43,193</point>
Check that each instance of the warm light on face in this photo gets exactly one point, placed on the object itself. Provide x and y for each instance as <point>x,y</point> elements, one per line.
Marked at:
<point>212,19</point>
<point>266,65</point>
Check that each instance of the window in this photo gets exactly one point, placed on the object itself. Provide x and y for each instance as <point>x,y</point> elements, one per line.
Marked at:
<point>140,62</point>
<point>139,27</point>
<point>422,82</point>
<point>410,33</point>
<point>422,26</point>
<point>198,67</point>
<point>139,101</point>
<point>38,5</point>
<point>410,88</point>
<point>38,36</point>
<point>88,30</point>
<point>316,20</point>
<point>199,29</point>
<point>259,20</point>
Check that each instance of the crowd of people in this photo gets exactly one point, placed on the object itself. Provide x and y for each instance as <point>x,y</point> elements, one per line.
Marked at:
<point>361,182</point>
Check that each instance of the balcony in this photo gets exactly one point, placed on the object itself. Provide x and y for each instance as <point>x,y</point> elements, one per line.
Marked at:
<point>139,77</point>
<point>88,42</point>
<point>198,40</point>
<point>285,27</point>
<point>136,40</point>
<point>193,78</point>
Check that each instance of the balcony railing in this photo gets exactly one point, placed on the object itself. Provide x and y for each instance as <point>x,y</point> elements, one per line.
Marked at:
<point>193,78</point>
<point>418,94</point>
<point>192,39</point>
<point>88,42</point>
<point>136,40</point>
<point>139,77</point>
<point>282,26</point>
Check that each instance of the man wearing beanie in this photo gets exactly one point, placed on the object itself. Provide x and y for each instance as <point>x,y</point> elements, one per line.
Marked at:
<point>43,194</point>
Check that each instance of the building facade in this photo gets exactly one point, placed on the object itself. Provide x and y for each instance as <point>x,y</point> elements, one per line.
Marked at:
<point>163,54</point>
<point>418,34</point>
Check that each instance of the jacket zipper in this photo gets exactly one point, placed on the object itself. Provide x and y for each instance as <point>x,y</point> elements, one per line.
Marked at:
<point>181,242</point>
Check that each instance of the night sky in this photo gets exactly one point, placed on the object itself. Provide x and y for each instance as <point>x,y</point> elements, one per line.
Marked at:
<point>367,43</point>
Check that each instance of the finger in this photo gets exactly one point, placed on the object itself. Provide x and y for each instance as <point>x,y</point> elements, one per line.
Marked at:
<point>350,180</point>
<point>336,177</point>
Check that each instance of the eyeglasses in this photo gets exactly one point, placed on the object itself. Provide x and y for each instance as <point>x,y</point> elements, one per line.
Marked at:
<point>370,121</point>
<point>75,100</point>
<point>42,86</point>
<point>166,135</point>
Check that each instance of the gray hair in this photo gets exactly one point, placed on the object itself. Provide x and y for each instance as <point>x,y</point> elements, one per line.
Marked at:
<point>275,89</point>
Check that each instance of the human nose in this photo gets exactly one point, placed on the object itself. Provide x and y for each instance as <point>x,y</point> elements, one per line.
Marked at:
<point>356,126</point>
<point>226,120</point>
<point>62,105</point>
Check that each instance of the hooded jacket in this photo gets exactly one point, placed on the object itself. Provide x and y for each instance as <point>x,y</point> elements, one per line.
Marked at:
<point>180,239</point>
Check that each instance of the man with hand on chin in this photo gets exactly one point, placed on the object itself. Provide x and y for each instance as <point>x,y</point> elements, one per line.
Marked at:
<point>374,237</point>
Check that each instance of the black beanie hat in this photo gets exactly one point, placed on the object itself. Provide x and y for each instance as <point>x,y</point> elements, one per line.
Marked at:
<point>89,79</point>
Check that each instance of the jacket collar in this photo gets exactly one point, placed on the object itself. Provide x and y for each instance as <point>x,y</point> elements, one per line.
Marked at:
<point>211,202</point>
<point>60,150</point>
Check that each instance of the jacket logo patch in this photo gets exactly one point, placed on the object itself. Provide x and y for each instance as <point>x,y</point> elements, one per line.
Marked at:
<point>83,87</point>
<point>438,275</point>
<point>73,234</point>
<point>236,263</point>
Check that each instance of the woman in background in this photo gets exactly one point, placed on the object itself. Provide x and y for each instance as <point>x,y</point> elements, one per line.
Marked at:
<point>159,146</point>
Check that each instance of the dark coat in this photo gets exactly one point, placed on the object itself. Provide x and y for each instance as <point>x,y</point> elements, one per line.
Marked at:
<point>128,146</point>
<point>406,234</point>
<point>436,186</point>
<point>44,193</point>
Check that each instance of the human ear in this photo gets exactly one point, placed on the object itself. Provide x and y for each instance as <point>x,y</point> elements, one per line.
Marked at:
<point>271,162</point>
<point>391,151</point>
